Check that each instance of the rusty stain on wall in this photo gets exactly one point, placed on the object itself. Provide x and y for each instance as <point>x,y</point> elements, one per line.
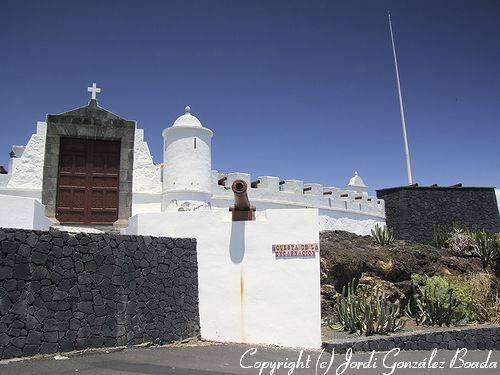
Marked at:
<point>242,304</point>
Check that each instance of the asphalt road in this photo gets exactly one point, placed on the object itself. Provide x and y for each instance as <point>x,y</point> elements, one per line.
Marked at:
<point>225,359</point>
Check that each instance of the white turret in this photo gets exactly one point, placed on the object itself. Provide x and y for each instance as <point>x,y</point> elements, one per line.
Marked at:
<point>356,184</point>
<point>187,157</point>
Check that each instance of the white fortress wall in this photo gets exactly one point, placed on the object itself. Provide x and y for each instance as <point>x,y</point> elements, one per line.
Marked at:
<point>359,224</point>
<point>146,175</point>
<point>146,180</point>
<point>339,209</point>
<point>4,180</point>
<point>28,171</point>
<point>22,212</point>
<point>28,193</point>
<point>246,293</point>
<point>15,158</point>
<point>145,202</point>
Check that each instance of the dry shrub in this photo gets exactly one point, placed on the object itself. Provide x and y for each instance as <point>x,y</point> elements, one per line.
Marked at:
<point>486,301</point>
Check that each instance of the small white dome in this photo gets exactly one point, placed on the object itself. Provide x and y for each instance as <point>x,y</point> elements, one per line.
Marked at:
<point>187,119</point>
<point>356,181</point>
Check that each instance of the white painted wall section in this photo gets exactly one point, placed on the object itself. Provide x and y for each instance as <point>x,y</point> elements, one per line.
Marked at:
<point>361,226</point>
<point>28,171</point>
<point>146,175</point>
<point>4,179</point>
<point>23,213</point>
<point>145,202</point>
<point>246,294</point>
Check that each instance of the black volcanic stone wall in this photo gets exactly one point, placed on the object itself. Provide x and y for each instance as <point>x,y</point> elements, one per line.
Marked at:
<point>413,212</point>
<point>60,292</point>
<point>483,337</point>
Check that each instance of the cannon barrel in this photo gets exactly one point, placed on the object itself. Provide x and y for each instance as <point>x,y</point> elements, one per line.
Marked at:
<point>241,202</point>
<point>242,209</point>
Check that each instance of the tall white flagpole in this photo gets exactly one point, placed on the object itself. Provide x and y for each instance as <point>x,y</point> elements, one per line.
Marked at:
<point>403,122</point>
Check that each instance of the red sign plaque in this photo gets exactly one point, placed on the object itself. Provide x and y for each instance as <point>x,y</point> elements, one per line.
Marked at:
<point>295,250</point>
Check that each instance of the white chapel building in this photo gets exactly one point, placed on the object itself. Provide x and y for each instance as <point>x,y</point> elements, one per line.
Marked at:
<point>89,167</point>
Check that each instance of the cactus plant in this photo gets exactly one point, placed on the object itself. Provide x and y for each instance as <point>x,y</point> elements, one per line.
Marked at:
<point>382,235</point>
<point>366,310</point>
<point>435,304</point>
<point>441,237</point>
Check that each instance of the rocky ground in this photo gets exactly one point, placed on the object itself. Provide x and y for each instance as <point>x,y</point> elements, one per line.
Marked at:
<point>345,256</point>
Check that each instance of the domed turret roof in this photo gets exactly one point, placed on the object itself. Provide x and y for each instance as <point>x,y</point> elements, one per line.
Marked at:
<point>356,181</point>
<point>187,120</point>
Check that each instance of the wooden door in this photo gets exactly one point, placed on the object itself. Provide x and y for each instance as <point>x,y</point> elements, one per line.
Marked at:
<point>88,181</point>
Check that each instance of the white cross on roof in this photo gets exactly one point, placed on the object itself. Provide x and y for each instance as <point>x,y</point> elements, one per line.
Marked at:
<point>94,90</point>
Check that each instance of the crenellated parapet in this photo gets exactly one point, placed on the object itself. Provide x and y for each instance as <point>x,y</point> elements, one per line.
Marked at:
<point>276,192</point>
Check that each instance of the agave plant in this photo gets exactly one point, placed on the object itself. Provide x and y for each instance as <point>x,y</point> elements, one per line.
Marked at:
<point>366,310</point>
<point>485,246</point>
<point>382,235</point>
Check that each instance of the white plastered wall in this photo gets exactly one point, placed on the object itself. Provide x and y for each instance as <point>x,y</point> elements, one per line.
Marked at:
<point>337,218</point>
<point>246,294</point>
<point>146,178</point>
<point>146,175</point>
<point>348,221</point>
<point>23,213</point>
<point>28,171</point>
<point>339,209</point>
<point>4,180</point>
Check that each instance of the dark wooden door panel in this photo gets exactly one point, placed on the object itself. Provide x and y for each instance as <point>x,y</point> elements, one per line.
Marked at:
<point>88,181</point>
<point>75,163</point>
<point>71,197</point>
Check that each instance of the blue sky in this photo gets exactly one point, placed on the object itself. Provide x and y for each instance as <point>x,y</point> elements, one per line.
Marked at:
<point>296,89</point>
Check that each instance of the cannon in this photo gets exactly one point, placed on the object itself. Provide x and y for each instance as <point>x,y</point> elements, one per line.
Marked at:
<point>242,209</point>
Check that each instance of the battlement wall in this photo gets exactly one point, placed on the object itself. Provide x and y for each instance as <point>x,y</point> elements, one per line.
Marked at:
<point>293,193</point>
